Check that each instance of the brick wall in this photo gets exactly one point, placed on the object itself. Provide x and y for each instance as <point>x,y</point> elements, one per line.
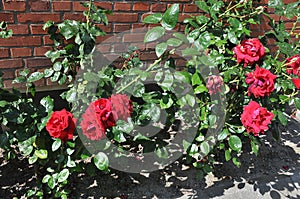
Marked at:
<point>29,42</point>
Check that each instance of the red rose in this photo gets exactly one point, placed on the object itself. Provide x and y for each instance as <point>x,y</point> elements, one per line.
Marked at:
<point>296,82</point>
<point>293,65</point>
<point>61,125</point>
<point>249,51</point>
<point>103,110</point>
<point>256,118</point>
<point>91,127</point>
<point>262,82</point>
<point>214,84</point>
<point>121,106</point>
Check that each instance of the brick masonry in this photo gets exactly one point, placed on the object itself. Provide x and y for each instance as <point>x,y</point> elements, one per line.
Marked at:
<point>26,17</point>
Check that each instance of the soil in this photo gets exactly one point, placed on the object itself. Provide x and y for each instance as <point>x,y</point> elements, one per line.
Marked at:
<point>275,161</point>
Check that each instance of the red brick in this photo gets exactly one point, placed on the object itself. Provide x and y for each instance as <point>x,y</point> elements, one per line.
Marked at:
<point>139,37</point>
<point>78,7</point>
<point>190,8</point>
<point>61,6</point>
<point>121,27</point>
<point>104,48</point>
<point>7,17</point>
<point>180,6</point>
<point>123,17</point>
<point>47,40</point>
<point>4,52</point>
<point>106,5</point>
<point>38,5</point>
<point>14,5</point>
<point>40,51</point>
<point>121,6</point>
<point>148,56</point>
<point>176,1</point>
<point>139,27</point>
<point>21,41</point>
<point>105,28</point>
<point>108,39</point>
<point>38,17</point>
<point>141,6</point>
<point>158,7</point>
<point>37,29</point>
<point>19,28</point>
<point>37,62</point>
<point>20,52</point>
<point>8,74</point>
<point>11,63</point>
<point>74,16</point>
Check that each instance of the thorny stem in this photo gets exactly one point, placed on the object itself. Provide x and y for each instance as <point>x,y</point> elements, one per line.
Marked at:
<point>88,15</point>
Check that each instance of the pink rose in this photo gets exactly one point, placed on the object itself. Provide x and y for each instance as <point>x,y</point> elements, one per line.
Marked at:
<point>261,82</point>
<point>61,125</point>
<point>256,118</point>
<point>293,65</point>
<point>214,84</point>
<point>249,51</point>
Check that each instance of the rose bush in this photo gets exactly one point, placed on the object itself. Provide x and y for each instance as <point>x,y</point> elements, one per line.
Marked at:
<point>238,93</point>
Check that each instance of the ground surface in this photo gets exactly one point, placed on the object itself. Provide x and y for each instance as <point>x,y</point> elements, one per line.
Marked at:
<point>274,173</point>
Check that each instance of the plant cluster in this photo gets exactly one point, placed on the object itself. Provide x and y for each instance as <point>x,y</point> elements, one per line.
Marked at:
<point>232,91</point>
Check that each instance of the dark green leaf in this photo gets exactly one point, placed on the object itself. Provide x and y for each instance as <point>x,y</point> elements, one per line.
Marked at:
<point>56,144</point>
<point>174,42</point>
<point>152,19</point>
<point>170,18</point>
<point>101,161</point>
<point>205,148</point>
<point>227,155</point>
<point>235,143</point>
<point>63,175</point>
<point>154,34</point>
<point>282,118</point>
<point>35,77</point>
<point>47,102</point>
<point>160,49</point>
<point>297,103</point>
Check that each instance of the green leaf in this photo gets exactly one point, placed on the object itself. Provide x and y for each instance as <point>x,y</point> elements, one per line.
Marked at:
<point>170,18</point>
<point>48,24</point>
<point>42,154</point>
<point>275,3</point>
<point>35,77</point>
<point>160,49</point>
<point>168,80</point>
<point>56,144</point>
<point>152,19</point>
<point>69,29</point>
<point>162,153</point>
<point>63,175</point>
<point>201,19</point>
<point>297,103</point>
<point>181,36</point>
<point>154,34</point>
<point>236,162</point>
<point>174,42</point>
<point>193,150</point>
<point>196,80</point>
<point>57,66</point>
<point>48,72</point>
<point>227,155</point>
<point>190,52</point>
<point>223,135</point>
<point>254,147</point>
<point>232,38</point>
<point>46,178</point>
<point>48,103</point>
<point>202,5</point>
<point>190,100</point>
<point>205,148</point>
<point>51,183</point>
<point>282,118</point>
<point>235,143</point>
<point>152,111</point>
<point>32,159</point>
<point>101,161</point>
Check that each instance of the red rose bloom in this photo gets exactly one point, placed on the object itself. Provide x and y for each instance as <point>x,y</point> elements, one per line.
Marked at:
<point>249,51</point>
<point>293,65</point>
<point>261,82</point>
<point>61,125</point>
<point>91,127</point>
<point>121,106</point>
<point>103,110</point>
<point>296,82</point>
<point>214,84</point>
<point>256,118</point>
